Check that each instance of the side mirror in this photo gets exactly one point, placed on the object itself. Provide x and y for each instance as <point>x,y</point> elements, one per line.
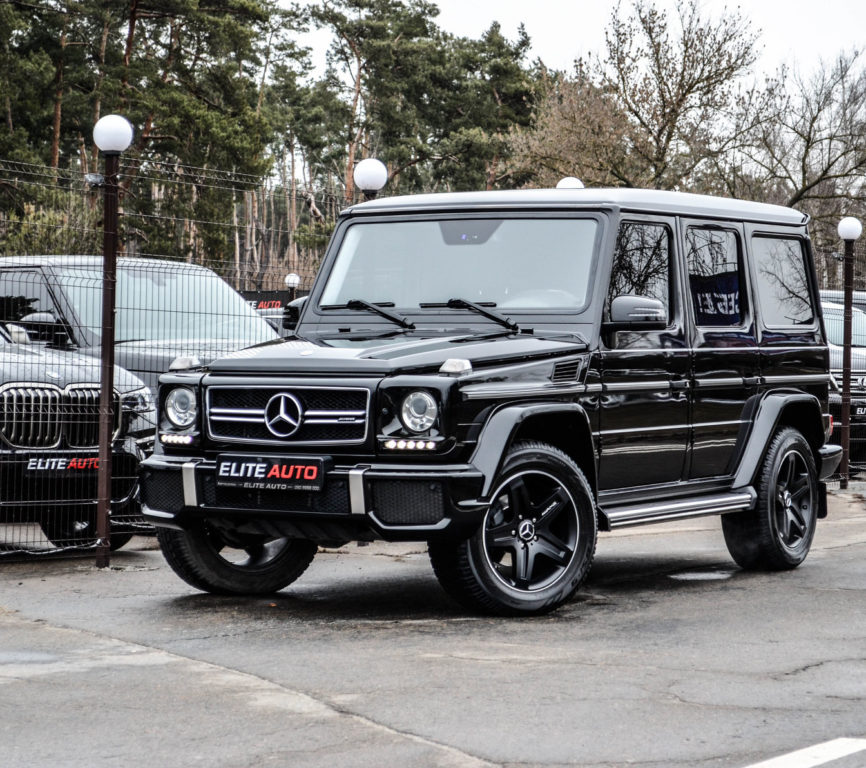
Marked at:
<point>44,327</point>
<point>18,334</point>
<point>637,313</point>
<point>292,313</point>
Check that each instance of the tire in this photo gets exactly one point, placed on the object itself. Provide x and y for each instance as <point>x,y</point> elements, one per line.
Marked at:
<point>536,543</point>
<point>778,533</point>
<point>70,529</point>
<point>205,559</point>
<point>119,540</point>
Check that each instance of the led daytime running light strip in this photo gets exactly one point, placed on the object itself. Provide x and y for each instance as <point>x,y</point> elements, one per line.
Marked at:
<point>176,439</point>
<point>410,445</point>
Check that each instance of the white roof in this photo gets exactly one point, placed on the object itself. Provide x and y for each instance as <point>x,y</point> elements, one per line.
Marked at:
<point>621,198</point>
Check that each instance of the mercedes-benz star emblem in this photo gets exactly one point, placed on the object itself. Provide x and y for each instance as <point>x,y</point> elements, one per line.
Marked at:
<point>526,531</point>
<point>283,415</point>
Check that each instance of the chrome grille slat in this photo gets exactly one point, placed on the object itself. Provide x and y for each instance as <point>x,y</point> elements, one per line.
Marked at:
<point>35,416</point>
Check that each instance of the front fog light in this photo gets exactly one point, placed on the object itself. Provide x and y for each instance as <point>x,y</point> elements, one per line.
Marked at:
<point>180,407</point>
<point>418,412</point>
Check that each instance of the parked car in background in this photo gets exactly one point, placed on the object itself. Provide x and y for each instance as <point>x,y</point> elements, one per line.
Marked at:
<point>165,309</point>
<point>49,434</point>
<point>833,322</point>
<point>835,296</point>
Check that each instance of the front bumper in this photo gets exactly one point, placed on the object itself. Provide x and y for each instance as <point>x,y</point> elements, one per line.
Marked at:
<point>364,500</point>
<point>857,429</point>
<point>35,483</point>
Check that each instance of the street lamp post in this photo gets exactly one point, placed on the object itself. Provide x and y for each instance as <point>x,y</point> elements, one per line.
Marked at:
<point>112,134</point>
<point>849,230</point>
<point>293,280</point>
<point>370,176</point>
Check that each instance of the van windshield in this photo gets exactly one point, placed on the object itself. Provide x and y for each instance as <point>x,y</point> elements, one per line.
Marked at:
<point>513,263</point>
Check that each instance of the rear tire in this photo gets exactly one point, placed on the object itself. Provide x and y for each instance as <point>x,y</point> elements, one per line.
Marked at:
<point>777,534</point>
<point>205,559</point>
<point>536,543</point>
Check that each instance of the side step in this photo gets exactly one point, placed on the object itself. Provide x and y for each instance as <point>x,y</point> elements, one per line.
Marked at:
<point>696,506</point>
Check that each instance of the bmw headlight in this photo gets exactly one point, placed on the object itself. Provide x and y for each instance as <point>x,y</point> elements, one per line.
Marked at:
<point>180,407</point>
<point>418,411</point>
<point>138,401</point>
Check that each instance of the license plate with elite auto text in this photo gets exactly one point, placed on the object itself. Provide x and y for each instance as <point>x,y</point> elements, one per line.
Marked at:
<point>274,473</point>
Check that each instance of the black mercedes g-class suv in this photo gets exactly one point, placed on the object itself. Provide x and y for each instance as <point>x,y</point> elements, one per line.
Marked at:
<point>502,375</point>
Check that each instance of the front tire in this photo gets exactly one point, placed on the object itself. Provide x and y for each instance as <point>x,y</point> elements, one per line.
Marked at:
<point>536,543</point>
<point>778,534</point>
<point>70,528</point>
<point>206,558</point>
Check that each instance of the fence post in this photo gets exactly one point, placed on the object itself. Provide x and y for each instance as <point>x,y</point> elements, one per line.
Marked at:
<point>849,230</point>
<point>112,134</point>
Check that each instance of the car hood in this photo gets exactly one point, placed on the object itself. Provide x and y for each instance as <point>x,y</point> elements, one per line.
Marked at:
<point>149,358</point>
<point>37,365</point>
<point>858,359</point>
<point>407,355</point>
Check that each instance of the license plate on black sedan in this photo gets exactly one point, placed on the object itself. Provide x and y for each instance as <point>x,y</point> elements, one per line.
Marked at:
<point>271,473</point>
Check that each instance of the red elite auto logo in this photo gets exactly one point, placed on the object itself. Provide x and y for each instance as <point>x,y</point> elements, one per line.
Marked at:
<point>62,464</point>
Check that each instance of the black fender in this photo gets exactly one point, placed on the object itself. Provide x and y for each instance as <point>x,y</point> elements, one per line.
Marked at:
<point>499,431</point>
<point>769,415</point>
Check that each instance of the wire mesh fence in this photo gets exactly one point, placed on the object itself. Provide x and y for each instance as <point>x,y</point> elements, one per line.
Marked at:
<point>208,261</point>
<point>202,266</point>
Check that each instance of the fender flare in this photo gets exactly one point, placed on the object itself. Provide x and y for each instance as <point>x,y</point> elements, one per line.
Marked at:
<point>497,435</point>
<point>766,421</point>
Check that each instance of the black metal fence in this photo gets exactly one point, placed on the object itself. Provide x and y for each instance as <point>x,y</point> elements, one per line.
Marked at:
<point>202,270</point>
<point>208,261</point>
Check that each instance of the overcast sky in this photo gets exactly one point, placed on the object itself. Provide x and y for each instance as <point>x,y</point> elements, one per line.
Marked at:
<point>792,31</point>
<point>800,31</point>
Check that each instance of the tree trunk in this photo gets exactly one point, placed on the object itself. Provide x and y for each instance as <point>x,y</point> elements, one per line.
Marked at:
<point>58,99</point>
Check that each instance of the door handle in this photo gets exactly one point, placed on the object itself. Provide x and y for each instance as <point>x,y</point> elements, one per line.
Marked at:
<point>752,381</point>
<point>680,384</point>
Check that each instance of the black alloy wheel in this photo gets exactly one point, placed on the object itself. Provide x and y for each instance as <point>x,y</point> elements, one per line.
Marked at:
<point>530,531</point>
<point>536,543</point>
<point>777,534</point>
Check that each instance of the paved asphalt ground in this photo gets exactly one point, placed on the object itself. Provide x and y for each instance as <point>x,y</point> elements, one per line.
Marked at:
<point>669,657</point>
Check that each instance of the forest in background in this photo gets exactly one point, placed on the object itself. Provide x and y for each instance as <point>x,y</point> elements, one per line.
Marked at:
<point>243,152</point>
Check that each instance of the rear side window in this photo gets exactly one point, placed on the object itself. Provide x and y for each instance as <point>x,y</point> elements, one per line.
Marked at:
<point>715,276</point>
<point>783,282</point>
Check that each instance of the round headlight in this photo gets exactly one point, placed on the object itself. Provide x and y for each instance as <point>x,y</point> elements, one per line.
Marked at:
<point>418,412</point>
<point>180,407</point>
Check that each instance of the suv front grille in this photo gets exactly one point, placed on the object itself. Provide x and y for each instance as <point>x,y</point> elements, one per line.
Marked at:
<point>312,414</point>
<point>38,416</point>
<point>858,380</point>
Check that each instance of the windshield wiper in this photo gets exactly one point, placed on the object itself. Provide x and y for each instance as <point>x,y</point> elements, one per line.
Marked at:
<point>481,309</point>
<point>358,304</point>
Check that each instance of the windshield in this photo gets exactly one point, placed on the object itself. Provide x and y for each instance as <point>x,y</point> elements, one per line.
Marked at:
<point>502,262</point>
<point>159,302</point>
<point>833,322</point>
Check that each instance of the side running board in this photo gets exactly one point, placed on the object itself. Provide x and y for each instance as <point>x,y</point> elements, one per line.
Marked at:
<point>697,506</point>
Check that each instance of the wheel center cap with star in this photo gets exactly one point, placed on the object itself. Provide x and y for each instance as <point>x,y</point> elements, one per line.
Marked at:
<point>526,530</point>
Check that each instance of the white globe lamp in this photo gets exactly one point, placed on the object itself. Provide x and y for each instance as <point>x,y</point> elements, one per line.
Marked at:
<point>370,176</point>
<point>569,182</point>
<point>113,134</point>
<point>849,228</point>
